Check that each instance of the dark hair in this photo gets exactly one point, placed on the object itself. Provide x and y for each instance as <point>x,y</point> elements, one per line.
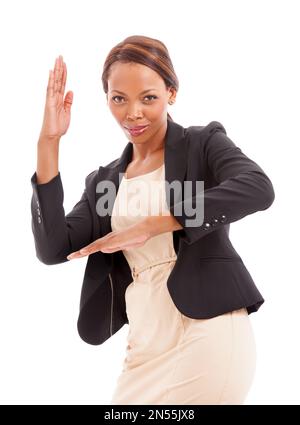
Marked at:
<point>146,51</point>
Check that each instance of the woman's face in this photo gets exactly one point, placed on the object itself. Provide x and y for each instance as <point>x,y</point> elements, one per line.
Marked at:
<point>137,96</point>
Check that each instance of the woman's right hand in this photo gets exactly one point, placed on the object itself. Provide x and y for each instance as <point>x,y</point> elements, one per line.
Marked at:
<point>57,113</point>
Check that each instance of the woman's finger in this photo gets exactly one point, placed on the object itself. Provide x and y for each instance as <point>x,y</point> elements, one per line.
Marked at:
<point>61,71</point>
<point>74,255</point>
<point>50,88</point>
<point>56,72</point>
<point>64,79</point>
<point>88,249</point>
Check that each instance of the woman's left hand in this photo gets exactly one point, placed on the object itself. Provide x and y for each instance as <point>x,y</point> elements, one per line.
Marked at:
<point>131,237</point>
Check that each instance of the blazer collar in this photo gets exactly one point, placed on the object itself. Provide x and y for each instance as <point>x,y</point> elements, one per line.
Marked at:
<point>175,159</point>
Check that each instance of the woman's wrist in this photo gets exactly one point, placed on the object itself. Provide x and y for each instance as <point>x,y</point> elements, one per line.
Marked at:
<point>158,224</point>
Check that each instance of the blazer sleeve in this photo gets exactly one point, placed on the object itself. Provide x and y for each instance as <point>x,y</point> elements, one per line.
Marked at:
<point>242,187</point>
<point>56,235</point>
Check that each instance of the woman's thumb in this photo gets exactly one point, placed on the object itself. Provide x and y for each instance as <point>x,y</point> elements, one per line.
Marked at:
<point>68,100</point>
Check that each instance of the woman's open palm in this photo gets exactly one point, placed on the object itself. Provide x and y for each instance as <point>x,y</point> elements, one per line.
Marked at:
<point>57,113</point>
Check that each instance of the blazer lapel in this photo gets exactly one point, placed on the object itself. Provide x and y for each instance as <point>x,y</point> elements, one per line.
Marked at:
<point>175,156</point>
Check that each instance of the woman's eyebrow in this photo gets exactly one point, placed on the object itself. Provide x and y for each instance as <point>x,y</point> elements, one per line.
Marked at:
<point>144,91</point>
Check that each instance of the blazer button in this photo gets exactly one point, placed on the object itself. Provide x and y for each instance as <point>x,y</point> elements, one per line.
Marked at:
<point>223,218</point>
<point>39,212</point>
<point>39,219</point>
<point>206,226</point>
<point>215,221</point>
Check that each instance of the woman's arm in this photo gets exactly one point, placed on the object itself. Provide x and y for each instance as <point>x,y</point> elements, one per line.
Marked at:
<point>156,225</point>
<point>243,188</point>
<point>56,235</point>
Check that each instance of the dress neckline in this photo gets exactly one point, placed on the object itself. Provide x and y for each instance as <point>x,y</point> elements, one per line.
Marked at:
<point>143,175</point>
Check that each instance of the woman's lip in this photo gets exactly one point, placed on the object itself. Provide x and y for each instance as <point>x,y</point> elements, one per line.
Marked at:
<point>137,131</point>
<point>137,128</point>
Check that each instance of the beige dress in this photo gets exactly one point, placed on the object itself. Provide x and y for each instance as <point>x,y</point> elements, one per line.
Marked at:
<point>171,358</point>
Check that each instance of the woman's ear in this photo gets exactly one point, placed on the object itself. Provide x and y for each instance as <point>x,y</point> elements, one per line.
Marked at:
<point>172,96</point>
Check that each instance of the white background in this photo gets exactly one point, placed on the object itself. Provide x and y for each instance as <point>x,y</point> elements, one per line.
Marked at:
<point>237,63</point>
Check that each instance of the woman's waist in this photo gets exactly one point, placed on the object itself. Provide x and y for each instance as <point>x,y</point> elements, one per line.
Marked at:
<point>138,267</point>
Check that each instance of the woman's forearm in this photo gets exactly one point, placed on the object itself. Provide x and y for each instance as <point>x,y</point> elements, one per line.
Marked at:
<point>47,159</point>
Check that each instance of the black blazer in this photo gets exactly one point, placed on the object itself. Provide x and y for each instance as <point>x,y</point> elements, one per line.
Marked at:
<point>209,277</point>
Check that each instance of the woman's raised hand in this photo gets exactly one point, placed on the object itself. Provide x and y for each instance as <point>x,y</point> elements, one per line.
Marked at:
<point>57,113</point>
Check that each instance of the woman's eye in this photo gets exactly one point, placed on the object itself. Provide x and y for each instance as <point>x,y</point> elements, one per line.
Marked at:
<point>151,95</point>
<point>121,97</point>
<point>114,97</point>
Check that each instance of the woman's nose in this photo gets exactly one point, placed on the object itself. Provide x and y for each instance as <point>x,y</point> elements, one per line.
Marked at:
<point>134,112</point>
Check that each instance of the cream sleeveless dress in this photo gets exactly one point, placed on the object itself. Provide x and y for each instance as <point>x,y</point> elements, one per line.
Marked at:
<point>171,358</point>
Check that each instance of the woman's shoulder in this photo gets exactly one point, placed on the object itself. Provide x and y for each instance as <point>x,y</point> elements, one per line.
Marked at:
<point>203,132</point>
<point>93,177</point>
<point>202,136</point>
<point>90,179</point>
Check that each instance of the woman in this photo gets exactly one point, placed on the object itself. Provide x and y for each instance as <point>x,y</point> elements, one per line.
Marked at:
<point>179,284</point>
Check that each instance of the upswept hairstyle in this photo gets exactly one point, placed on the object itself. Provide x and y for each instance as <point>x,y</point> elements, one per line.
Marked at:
<point>146,51</point>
